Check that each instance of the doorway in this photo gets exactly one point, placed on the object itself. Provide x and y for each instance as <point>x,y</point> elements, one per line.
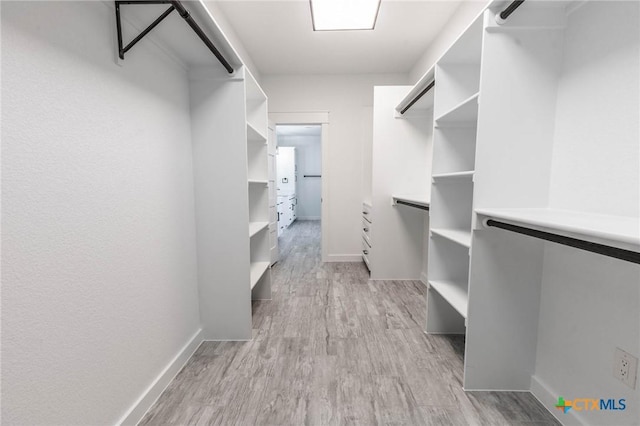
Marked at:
<point>319,118</point>
<point>298,174</point>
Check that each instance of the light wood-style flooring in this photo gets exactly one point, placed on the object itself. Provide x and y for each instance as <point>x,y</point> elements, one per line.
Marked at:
<point>334,348</point>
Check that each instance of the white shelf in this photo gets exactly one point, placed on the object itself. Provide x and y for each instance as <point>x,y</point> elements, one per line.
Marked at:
<point>454,175</point>
<point>253,135</point>
<point>601,228</point>
<point>454,293</point>
<point>457,236</point>
<point>257,271</point>
<point>255,227</point>
<point>258,182</point>
<point>465,112</point>
<point>414,199</point>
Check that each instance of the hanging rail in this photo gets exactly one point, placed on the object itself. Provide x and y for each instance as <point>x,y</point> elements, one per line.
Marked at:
<point>184,13</point>
<point>615,252</point>
<point>312,175</point>
<point>417,206</point>
<point>508,11</point>
<point>417,98</point>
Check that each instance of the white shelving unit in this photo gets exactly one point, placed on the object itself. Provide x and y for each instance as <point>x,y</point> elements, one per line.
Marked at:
<point>456,104</point>
<point>527,134</point>
<point>258,189</point>
<point>228,122</point>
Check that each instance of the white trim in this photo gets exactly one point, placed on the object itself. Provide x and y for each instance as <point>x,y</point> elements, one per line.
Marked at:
<point>344,258</point>
<point>155,389</point>
<point>308,218</point>
<point>548,398</point>
<point>313,117</point>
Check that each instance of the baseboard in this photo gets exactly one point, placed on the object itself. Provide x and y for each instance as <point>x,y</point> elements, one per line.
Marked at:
<point>423,278</point>
<point>308,218</point>
<point>548,398</point>
<point>344,258</point>
<point>153,392</point>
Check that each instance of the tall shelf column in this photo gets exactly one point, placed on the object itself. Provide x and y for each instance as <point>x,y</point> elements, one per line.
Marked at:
<point>457,77</point>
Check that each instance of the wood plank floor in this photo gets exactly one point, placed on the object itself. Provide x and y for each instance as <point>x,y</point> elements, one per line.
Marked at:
<point>334,348</point>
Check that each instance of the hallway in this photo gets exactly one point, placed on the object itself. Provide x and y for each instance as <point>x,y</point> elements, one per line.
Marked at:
<point>334,348</point>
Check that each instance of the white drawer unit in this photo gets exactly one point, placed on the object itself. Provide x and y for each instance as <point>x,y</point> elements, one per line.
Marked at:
<point>366,252</point>
<point>366,234</point>
<point>293,202</point>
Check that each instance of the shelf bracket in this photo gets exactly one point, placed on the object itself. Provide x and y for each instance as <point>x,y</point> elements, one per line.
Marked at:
<point>184,14</point>
<point>124,49</point>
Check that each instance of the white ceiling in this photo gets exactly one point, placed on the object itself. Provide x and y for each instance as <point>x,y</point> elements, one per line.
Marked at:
<point>279,37</point>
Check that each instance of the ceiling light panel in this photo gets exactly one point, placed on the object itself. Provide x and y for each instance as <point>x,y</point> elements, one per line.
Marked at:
<point>344,15</point>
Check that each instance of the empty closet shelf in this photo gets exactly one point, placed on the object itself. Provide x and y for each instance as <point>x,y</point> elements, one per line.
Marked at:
<point>257,271</point>
<point>457,236</point>
<point>253,135</point>
<point>454,293</point>
<point>255,227</point>
<point>617,231</point>
<point>465,112</point>
<point>411,201</point>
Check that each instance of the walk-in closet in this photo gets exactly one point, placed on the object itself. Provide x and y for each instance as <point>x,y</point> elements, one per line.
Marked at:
<point>278,213</point>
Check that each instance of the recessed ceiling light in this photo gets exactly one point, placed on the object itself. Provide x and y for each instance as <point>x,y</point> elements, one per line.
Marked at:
<point>343,15</point>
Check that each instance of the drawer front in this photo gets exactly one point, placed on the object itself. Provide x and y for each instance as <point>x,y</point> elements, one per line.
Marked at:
<point>366,227</point>
<point>366,239</point>
<point>366,253</point>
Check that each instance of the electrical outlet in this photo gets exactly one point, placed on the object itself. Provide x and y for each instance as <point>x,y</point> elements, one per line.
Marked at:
<point>625,367</point>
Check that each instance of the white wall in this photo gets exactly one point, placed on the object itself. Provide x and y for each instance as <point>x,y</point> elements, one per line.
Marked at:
<point>309,161</point>
<point>459,21</point>
<point>99,265</point>
<point>347,98</point>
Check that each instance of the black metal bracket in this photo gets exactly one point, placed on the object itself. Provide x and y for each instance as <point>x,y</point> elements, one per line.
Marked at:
<point>417,206</point>
<point>418,96</point>
<point>312,175</point>
<point>615,252</point>
<point>184,13</point>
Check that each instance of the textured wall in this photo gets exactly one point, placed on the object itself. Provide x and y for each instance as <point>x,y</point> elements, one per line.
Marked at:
<point>99,287</point>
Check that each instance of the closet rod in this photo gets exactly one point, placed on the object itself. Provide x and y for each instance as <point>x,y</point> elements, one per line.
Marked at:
<point>510,9</point>
<point>417,206</point>
<point>417,98</point>
<point>312,175</point>
<point>618,253</point>
<point>184,13</point>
